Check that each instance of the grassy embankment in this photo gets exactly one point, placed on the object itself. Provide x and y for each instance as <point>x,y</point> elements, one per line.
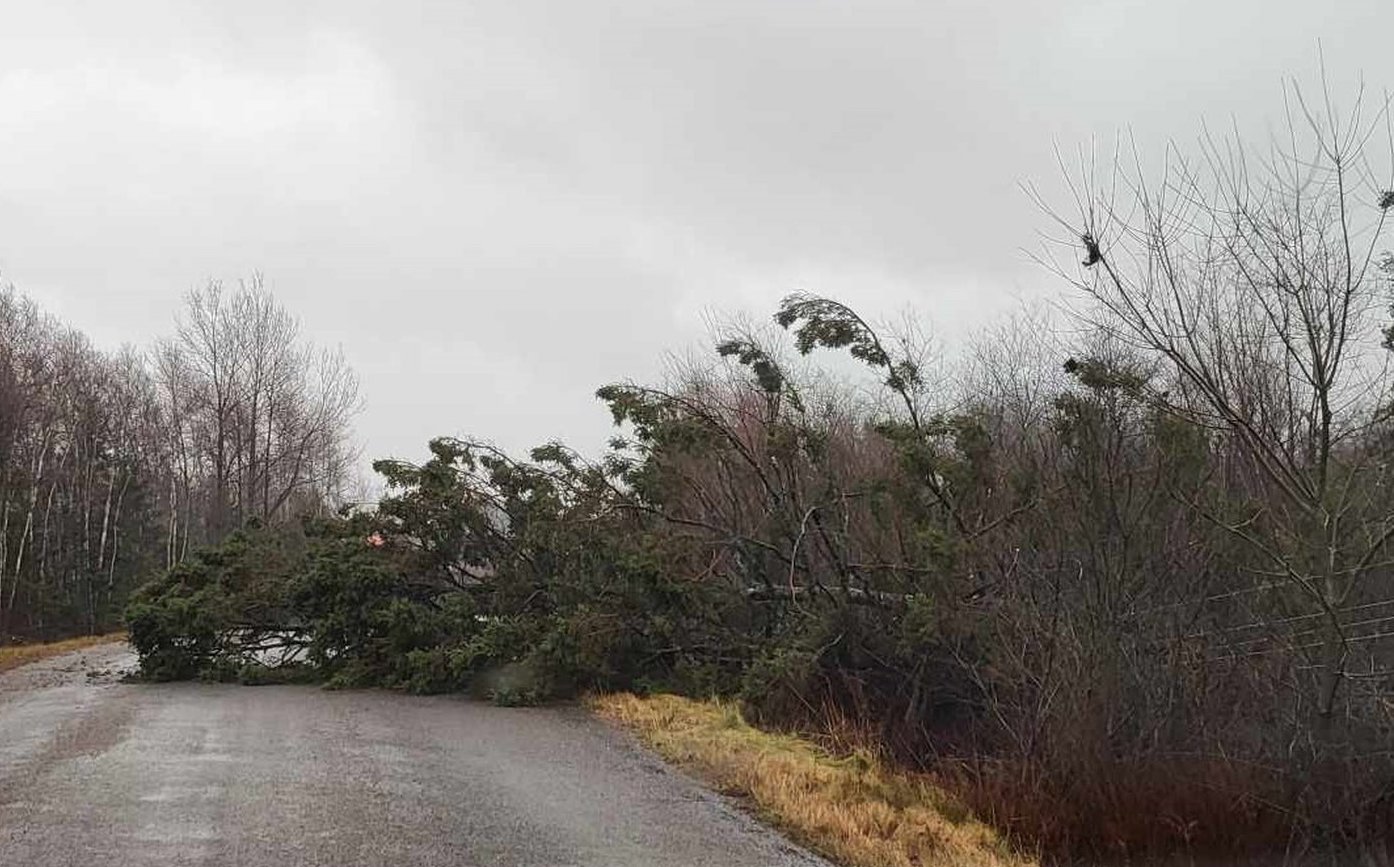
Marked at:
<point>22,654</point>
<point>855,809</point>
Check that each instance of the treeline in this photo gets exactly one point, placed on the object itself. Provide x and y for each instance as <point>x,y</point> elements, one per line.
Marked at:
<point>114,465</point>
<point>1126,586</point>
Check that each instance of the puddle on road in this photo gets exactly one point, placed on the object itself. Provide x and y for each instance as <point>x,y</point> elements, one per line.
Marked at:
<point>166,794</point>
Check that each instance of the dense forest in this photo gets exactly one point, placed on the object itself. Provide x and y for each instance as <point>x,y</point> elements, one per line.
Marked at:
<point>114,465</point>
<point>1123,581</point>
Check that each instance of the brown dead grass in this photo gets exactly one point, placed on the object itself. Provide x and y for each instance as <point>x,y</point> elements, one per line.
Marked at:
<point>23,654</point>
<point>855,809</point>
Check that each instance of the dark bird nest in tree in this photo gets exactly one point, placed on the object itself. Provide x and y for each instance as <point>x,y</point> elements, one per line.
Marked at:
<point>1092,256</point>
<point>1386,200</point>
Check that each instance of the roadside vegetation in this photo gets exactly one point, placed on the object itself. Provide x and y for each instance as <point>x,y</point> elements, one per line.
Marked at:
<point>1120,585</point>
<point>854,809</point>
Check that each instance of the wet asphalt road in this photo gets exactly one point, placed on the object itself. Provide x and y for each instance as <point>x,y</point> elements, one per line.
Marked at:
<point>96,772</point>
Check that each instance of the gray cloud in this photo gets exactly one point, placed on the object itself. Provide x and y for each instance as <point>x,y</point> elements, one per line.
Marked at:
<point>496,207</point>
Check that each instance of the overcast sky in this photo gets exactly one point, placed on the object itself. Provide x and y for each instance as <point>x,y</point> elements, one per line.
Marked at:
<point>496,207</point>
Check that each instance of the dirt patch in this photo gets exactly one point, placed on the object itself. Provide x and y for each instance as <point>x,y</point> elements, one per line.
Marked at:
<point>24,654</point>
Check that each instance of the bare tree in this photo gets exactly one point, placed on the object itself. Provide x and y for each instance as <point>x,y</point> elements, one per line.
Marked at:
<point>1254,274</point>
<point>113,464</point>
<point>261,416</point>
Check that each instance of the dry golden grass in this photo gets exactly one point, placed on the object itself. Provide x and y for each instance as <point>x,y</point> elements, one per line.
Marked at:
<point>854,809</point>
<point>22,654</point>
